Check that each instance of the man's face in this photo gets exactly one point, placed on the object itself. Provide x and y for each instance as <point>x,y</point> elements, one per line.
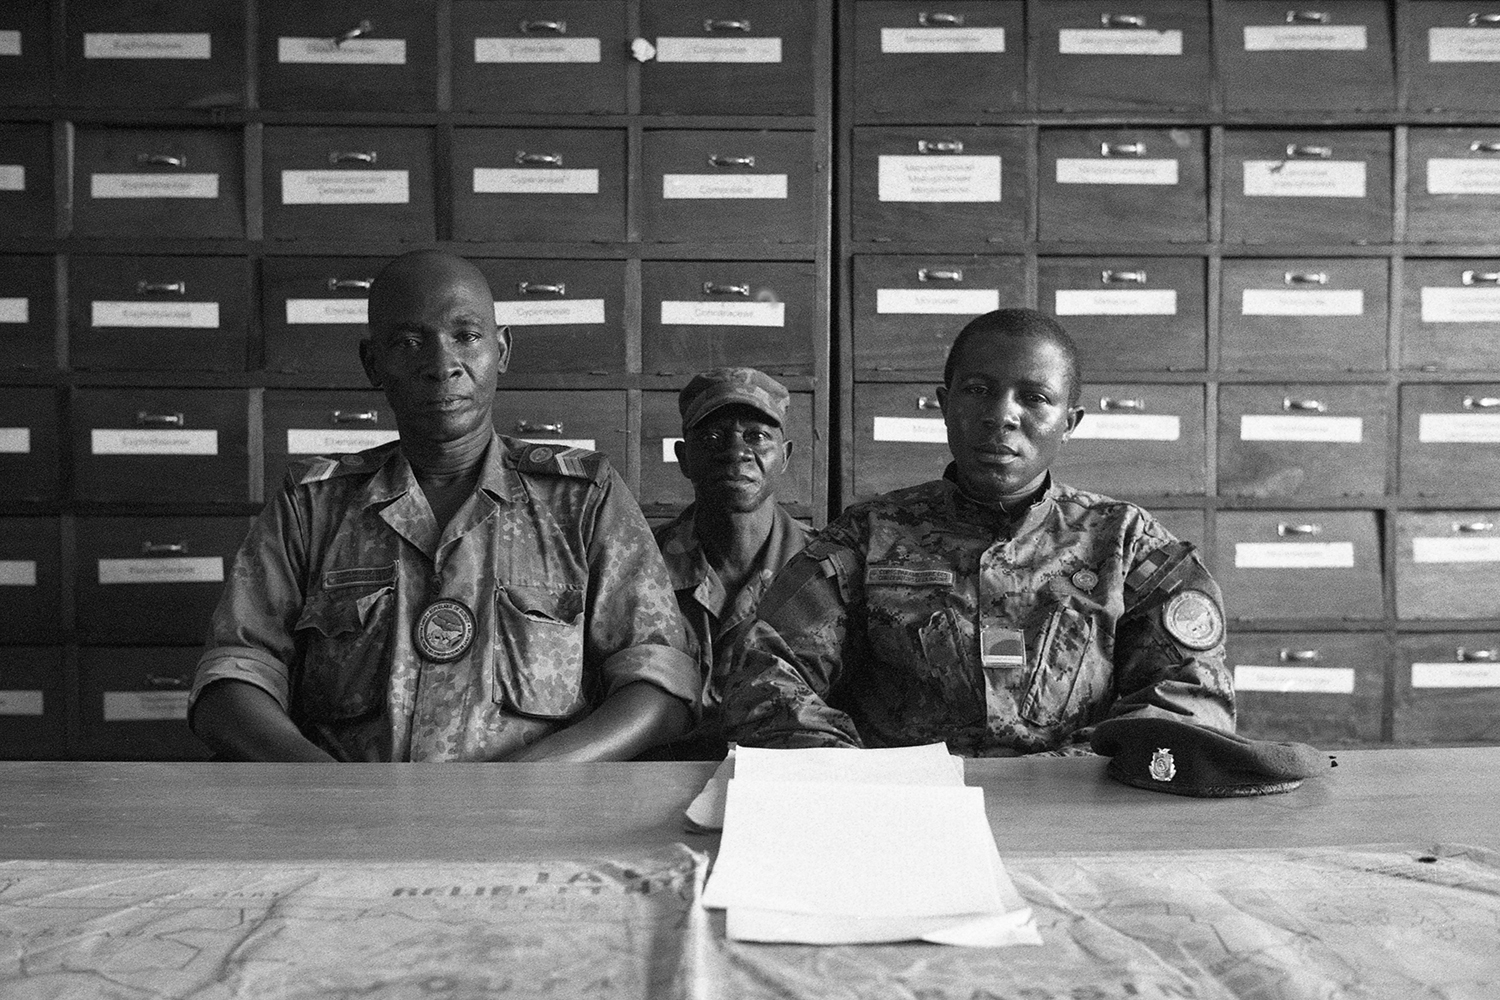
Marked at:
<point>1007,414</point>
<point>734,459</point>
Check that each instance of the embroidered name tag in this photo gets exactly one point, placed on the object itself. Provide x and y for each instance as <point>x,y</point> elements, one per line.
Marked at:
<point>909,577</point>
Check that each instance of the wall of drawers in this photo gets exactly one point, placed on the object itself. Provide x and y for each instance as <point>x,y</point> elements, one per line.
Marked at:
<point>194,196</point>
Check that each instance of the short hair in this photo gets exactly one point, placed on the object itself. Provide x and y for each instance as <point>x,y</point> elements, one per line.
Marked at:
<point>1020,322</point>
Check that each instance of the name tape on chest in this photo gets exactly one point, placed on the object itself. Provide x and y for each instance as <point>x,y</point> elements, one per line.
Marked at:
<point>903,577</point>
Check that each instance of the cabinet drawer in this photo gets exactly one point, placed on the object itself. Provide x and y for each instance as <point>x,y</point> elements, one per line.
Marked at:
<point>940,182</point>
<point>1129,313</point>
<point>152,579</point>
<point>133,703</point>
<point>698,315</point>
<point>314,313</point>
<point>1450,314</point>
<point>1447,688</point>
<point>1299,564</point>
<point>30,455</point>
<point>748,57</point>
<point>30,583</point>
<point>539,56</point>
<point>348,183</point>
<point>301,423</point>
<point>153,54</point>
<point>1307,187</point>
<point>1453,186</point>
<point>1313,687</point>
<point>1447,562</point>
<point>1122,184</point>
<point>728,186</point>
<point>1137,440</point>
<point>1449,54</point>
<point>1302,440</point>
<point>1337,57</point>
<point>1449,435</point>
<point>907,310</point>
<point>26,181</point>
<point>899,437</point>
<point>1095,55</point>
<point>151,183</point>
<point>567,419</point>
<point>376,55</point>
<point>1186,525</point>
<point>563,315</point>
<point>913,62</point>
<point>161,445</point>
<point>25,55</point>
<point>33,703</point>
<point>28,313</point>
<point>1288,315</point>
<point>539,185</point>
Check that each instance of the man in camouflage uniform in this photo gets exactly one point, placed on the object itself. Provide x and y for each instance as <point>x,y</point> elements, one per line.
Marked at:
<point>993,609</point>
<point>722,551</point>
<point>456,595</point>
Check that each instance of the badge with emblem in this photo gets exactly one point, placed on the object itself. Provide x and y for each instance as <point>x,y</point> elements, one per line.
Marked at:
<point>1163,767</point>
<point>539,456</point>
<point>1194,620</point>
<point>1086,580</point>
<point>444,630</point>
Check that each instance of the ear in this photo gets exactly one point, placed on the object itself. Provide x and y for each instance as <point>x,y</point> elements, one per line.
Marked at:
<point>942,395</point>
<point>502,334</point>
<point>369,362</point>
<point>786,455</point>
<point>1075,417</point>
<point>679,448</point>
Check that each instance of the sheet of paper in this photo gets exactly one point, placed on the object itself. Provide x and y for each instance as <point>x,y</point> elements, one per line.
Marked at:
<point>930,764</point>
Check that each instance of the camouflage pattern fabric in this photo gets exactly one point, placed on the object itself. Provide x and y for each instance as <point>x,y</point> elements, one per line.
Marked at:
<point>551,554</point>
<point>871,636</point>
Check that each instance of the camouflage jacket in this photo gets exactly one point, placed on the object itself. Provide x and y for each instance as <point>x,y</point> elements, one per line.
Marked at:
<point>872,635</point>
<point>569,598</point>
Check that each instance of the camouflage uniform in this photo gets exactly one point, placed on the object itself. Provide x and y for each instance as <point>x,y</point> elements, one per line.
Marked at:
<point>568,592</point>
<point>872,635</point>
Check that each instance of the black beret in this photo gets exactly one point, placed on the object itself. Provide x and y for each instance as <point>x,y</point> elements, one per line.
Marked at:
<point>1184,758</point>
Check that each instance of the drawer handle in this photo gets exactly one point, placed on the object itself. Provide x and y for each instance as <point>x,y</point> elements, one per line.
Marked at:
<point>1308,17</point>
<point>164,548</point>
<point>1482,402</point>
<point>145,418</point>
<point>928,403</point>
<point>541,288</point>
<point>355,416</point>
<point>937,20</point>
<point>713,24</point>
<point>715,160</point>
<point>940,274</point>
<point>526,159</point>
<point>1294,530</point>
<point>1112,277</point>
<point>336,157</point>
<point>1109,404</point>
<point>1291,405</point>
<point>160,160</point>
<point>161,288</point>
<point>1487,20</point>
<point>1477,655</point>
<point>1305,278</point>
<point>1484,147</point>
<point>364,27</point>
<point>1299,656</point>
<point>1122,149</point>
<point>951,146</point>
<point>350,284</point>
<point>1297,151</point>
<point>1122,20</point>
<point>1473,527</point>
<point>172,681</point>
<point>544,27</point>
<point>710,288</point>
<point>527,427</point>
<point>1481,278</point>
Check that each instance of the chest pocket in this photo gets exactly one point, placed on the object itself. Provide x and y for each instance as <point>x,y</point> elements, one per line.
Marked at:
<point>345,635</point>
<point>1060,681</point>
<point>539,651</point>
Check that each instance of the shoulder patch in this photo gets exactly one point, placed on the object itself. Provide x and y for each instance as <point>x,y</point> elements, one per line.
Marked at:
<point>316,470</point>
<point>550,460</point>
<point>1193,619</point>
<point>1160,568</point>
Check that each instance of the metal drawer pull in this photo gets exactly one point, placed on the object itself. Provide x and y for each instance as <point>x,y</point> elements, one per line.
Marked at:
<point>938,274</point>
<point>712,24</point>
<point>936,20</point>
<point>161,288</point>
<point>164,548</point>
<point>1122,149</point>
<point>364,27</point>
<point>1477,655</point>
<point>715,160</point>
<point>160,160</point>
<point>1305,278</point>
<point>1111,277</point>
<point>541,288</point>
<point>1109,404</point>
<point>1482,402</point>
<point>709,288</point>
<point>538,159</point>
<point>1289,530</point>
<point>1291,405</point>
<point>367,158</point>
<point>1296,151</point>
<point>544,27</point>
<point>165,681</point>
<point>928,403</point>
<point>1299,656</point>
<point>1484,147</point>
<point>350,284</point>
<point>1475,20</point>
<point>355,416</point>
<point>1122,20</point>
<point>527,427</point>
<point>940,146</point>
<point>1481,278</point>
<point>145,418</point>
<point>1473,527</point>
<point>1308,17</point>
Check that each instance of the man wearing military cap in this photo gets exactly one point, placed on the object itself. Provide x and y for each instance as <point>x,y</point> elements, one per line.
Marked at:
<point>994,608</point>
<point>722,551</point>
<point>455,595</point>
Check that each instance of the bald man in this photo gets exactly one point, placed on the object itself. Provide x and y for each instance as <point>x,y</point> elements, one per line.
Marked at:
<point>454,595</point>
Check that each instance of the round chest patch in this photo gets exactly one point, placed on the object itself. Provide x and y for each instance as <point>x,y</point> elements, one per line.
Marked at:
<point>539,456</point>
<point>1194,620</point>
<point>1086,580</point>
<point>444,630</point>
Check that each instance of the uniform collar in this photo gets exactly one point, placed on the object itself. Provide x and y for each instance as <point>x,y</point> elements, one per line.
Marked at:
<point>688,566</point>
<point>993,517</point>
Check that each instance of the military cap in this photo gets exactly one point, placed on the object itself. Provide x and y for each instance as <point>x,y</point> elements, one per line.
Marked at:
<point>719,387</point>
<point>1184,758</point>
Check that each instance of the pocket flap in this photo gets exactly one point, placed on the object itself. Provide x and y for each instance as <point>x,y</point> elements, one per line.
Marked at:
<point>543,604</point>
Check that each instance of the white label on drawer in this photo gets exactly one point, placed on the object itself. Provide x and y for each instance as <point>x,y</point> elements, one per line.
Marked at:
<point>1302,302</point>
<point>153,185</point>
<point>128,441</point>
<point>941,40</point>
<point>1288,555</point>
<point>939,178</point>
<point>1455,176</point>
<point>936,301</point>
<point>1463,45</point>
<point>1461,305</point>
<point>326,441</point>
<point>20,703</point>
<point>10,43</point>
<point>1294,680</point>
<point>924,430</point>
<point>549,312</point>
<point>1455,675</point>
<point>175,569</point>
<point>718,50</point>
<point>145,706</point>
<point>194,315</point>
<point>352,312</point>
<point>15,310</point>
<point>723,313</point>
<point>1291,427</point>
<point>540,180</point>
<point>1118,42</point>
<point>723,186</point>
<point>1088,171</point>
<point>147,45</point>
<point>345,187</point>
<point>15,440</point>
<point>1129,427</point>
<point>669,450</point>
<point>1305,38</point>
<point>12,177</point>
<point>1115,302</point>
<point>587,444</point>
<point>536,50</point>
<point>1458,428</point>
<point>17,572</point>
<point>1455,550</point>
<point>385,51</point>
<point>1304,178</point>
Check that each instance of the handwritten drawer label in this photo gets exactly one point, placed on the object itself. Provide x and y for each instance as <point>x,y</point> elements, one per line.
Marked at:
<point>720,186</point>
<point>1290,427</point>
<point>367,51</point>
<point>187,315</point>
<point>939,178</point>
<point>718,50</point>
<point>12,177</point>
<point>1129,427</point>
<point>15,440</point>
<point>587,444</point>
<point>1305,38</point>
<point>1458,428</point>
<point>1115,302</point>
<point>669,450</point>
<point>938,41</point>
<point>536,50</point>
<point>1289,555</point>
<point>723,313</point>
<point>1110,42</point>
<point>1304,179</point>
<point>20,703</point>
<point>1455,550</point>
<point>1455,675</point>
<point>109,441</point>
<point>1455,176</point>
<point>17,572</point>
<point>1294,680</point>
<point>1302,302</point>
<point>1087,171</point>
<point>516,180</point>
<point>154,186</point>
<point>345,187</point>
<point>550,312</point>
<point>324,441</point>
<point>147,45</point>
<point>936,301</point>
<point>175,569</point>
<point>15,310</point>
<point>1463,45</point>
<point>145,706</point>
<point>923,430</point>
<point>10,43</point>
<point>352,312</point>
<point>1461,305</point>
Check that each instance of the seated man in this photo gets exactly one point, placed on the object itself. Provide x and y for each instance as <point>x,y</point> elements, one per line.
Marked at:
<point>456,595</point>
<point>722,551</point>
<point>993,609</point>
